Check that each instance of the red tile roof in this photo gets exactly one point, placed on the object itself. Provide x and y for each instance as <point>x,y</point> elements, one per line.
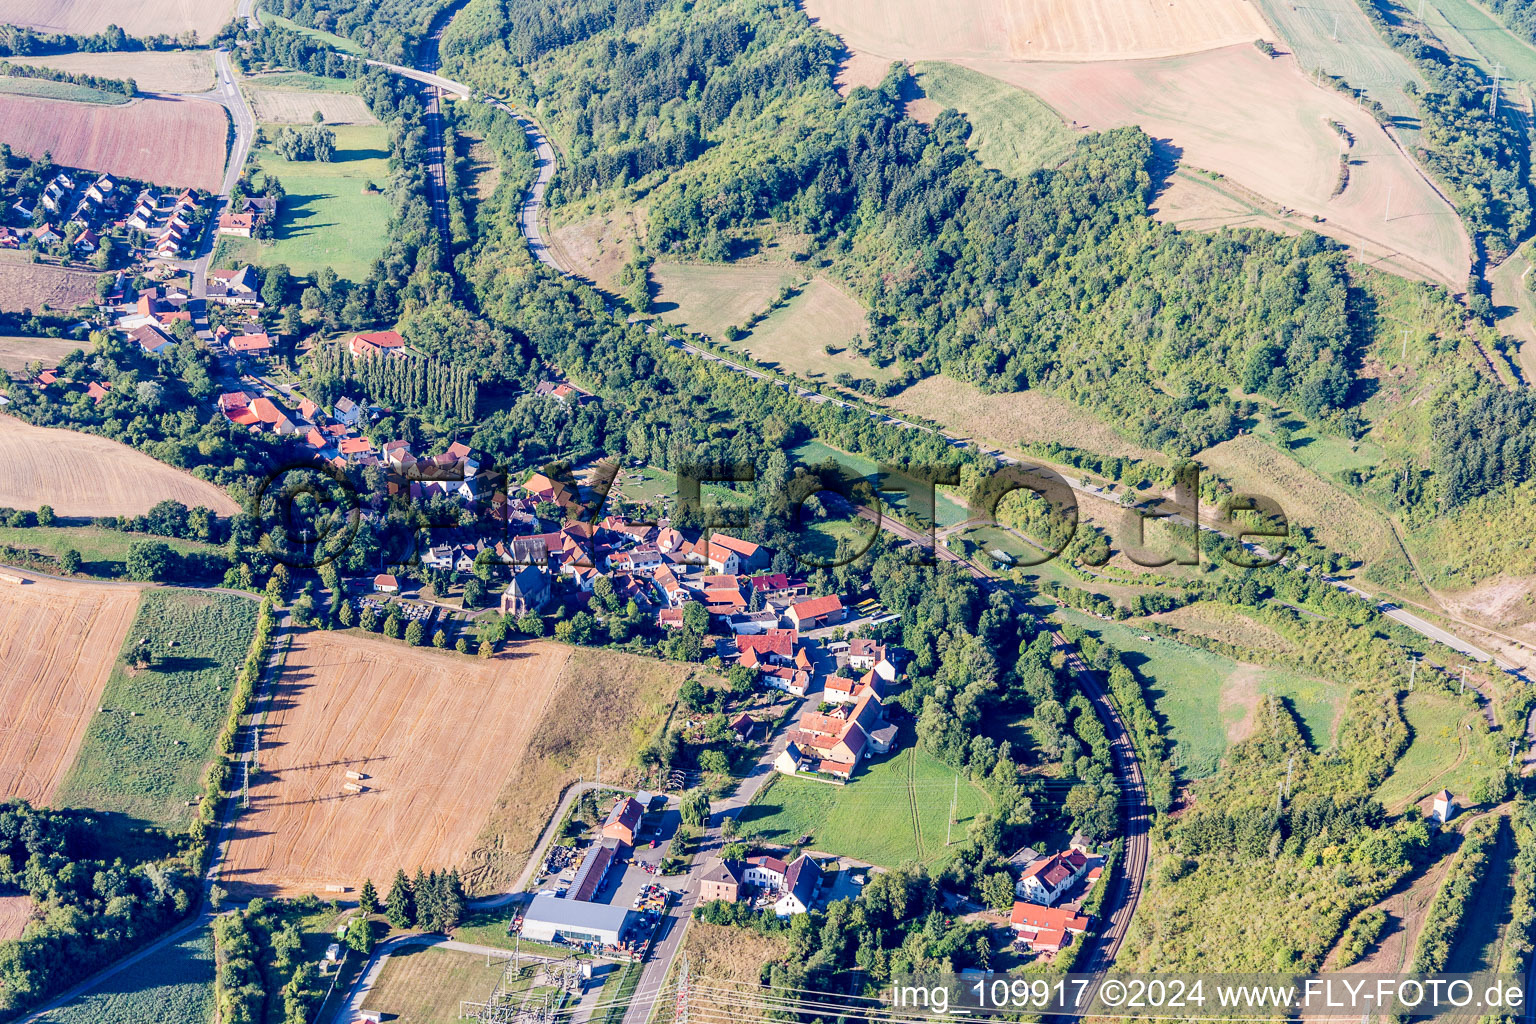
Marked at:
<point>1033,917</point>
<point>250,343</point>
<point>816,607</point>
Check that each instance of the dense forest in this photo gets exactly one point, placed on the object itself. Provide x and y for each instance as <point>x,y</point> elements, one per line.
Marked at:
<point>390,30</point>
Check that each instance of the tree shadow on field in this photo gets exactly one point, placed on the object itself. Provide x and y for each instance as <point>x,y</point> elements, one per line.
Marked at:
<point>301,215</point>
<point>168,663</point>
<point>1165,161</point>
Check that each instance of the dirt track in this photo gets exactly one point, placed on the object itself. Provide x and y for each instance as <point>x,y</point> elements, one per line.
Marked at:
<point>58,643</point>
<point>435,732</point>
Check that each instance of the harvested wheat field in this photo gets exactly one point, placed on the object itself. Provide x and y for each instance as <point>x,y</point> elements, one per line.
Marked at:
<point>135,17</point>
<point>1260,122</point>
<point>15,912</point>
<point>299,106</point>
<point>58,643</point>
<point>435,733</point>
<point>16,353</point>
<point>152,70</point>
<point>1007,419</point>
<point>1083,30</point>
<point>171,142</point>
<point>37,286</point>
<point>85,475</point>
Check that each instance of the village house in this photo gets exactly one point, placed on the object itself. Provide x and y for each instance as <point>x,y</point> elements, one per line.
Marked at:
<point>377,343</point>
<point>866,655</point>
<point>240,225</point>
<point>235,287</point>
<point>561,391</point>
<point>623,820</point>
<point>385,583</point>
<point>1046,880</point>
<point>1045,929</point>
<point>347,412</point>
<point>151,339</point>
<point>722,882</point>
<point>252,345</point>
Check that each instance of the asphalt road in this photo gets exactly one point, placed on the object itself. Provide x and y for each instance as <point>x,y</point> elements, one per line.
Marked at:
<point>227,94</point>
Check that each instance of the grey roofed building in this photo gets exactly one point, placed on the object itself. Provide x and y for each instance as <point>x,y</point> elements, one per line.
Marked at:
<point>528,591</point>
<point>549,918</point>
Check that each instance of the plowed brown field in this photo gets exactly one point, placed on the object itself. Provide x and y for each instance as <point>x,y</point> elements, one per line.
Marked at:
<point>85,475</point>
<point>436,733</point>
<point>58,643</point>
<point>166,141</point>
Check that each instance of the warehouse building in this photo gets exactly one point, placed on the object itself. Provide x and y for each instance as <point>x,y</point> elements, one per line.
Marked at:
<point>550,919</point>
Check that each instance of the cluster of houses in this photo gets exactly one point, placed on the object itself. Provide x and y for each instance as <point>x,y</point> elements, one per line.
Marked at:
<point>1040,925</point>
<point>87,216</point>
<point>789,888</point>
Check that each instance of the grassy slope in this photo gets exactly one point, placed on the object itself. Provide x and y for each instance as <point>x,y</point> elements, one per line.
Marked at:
<point>605,703</point>
<point>896,809</point>
<point>102,552</point>
<point>1444,752</point>
<point>1012,130</point>
<point>175,986</point>
<point>326,218</point>
<point>424,986</point>
<point>1188,686</point>
<point>61,91</point>
<point>341,43</point>
<point>148,765</point>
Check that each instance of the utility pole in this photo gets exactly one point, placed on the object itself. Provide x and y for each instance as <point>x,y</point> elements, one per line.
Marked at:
<point>599,768</point>
<point>1388,215</point>
<point>1413,668</point>
<point>1463,688</point>
<point>1493,97</point>
<point>1288,769</point>
<point>1511,751</point>
<point>1335,26</point>
<point>1405,345</point>
<point>954,807</point>
<point>1278,790</point>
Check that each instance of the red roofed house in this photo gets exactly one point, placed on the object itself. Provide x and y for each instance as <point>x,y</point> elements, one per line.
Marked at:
<point>270,413</point>
<point>236,407</point>
<point>151,339</point>
<point>1045,929</point>
<point>1048,878</point>
<point>384,583</point>
<point>750,556</point>
<point>865,655</point>
<point>241,225</point>
<point>96,392</point>
<point>387,342</point>
<point>251,344</point>
<point>816,612</point>
<point>624,820</point>
<point>354,445</point>
<point>776,646</point>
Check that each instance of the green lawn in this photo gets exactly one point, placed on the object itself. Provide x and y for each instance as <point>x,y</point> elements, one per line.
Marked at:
<point>647,485</point>
<point>144,755</point>
<point>489,928</point>
<point>1444,754</point>
<point>1012,130</point>
<point>1201,695</point>
<point>61,91</point>
<point>896,809</point>
<point>422,985</point>
<point>102,552</point>
<point>301,80</point>
<point>947,510</point>
<point>327,220</point>
<point>341,43</point>
<point>794,336</point>
<point>175,986</point>
<point>1490,41</point>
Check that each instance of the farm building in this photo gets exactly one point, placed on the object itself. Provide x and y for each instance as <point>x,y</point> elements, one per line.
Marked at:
<point>549,919</point>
